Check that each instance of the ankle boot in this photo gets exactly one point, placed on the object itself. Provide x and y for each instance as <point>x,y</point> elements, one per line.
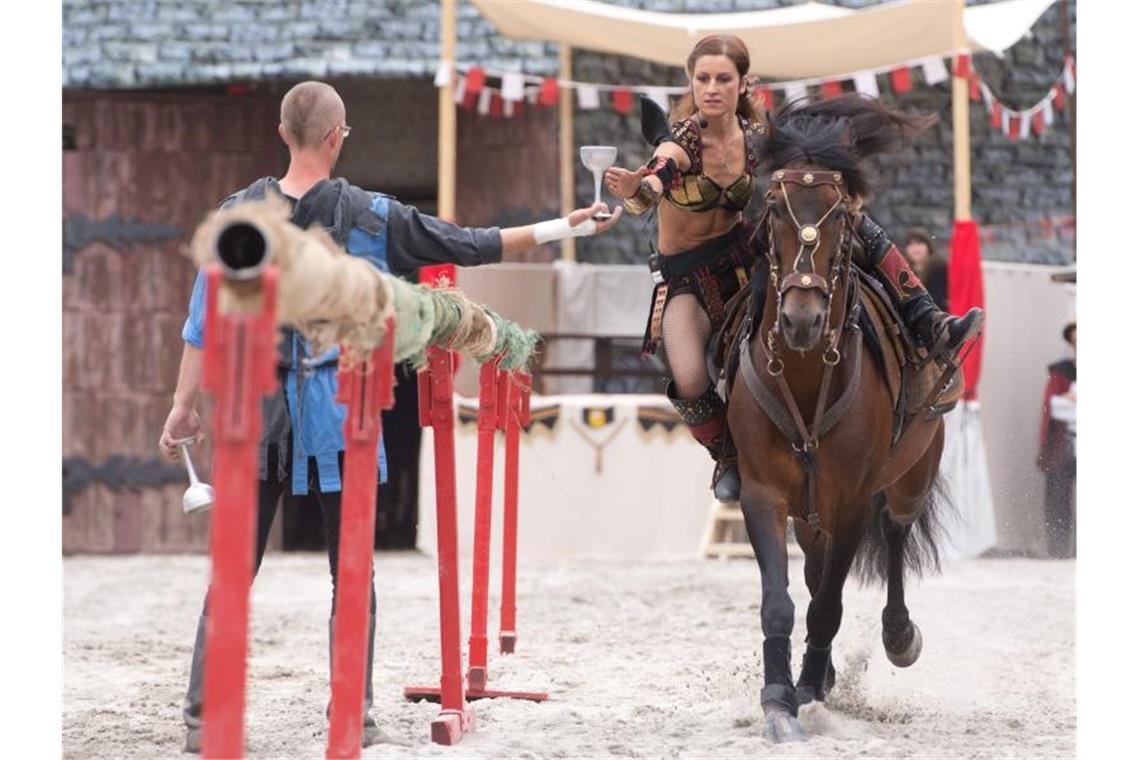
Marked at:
<point>941,334</point>
<point>705,416</point>
<point>192,704</point>
<point>371,733</point>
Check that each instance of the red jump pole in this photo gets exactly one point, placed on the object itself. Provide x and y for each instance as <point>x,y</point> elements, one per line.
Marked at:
<point>366,390</point>
<point>484,486</point>
<point>239,368</point>
<point>435,386</point>
<point>515,388</point>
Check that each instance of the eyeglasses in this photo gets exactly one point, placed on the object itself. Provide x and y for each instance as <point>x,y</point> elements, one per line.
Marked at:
<point>345,131</point>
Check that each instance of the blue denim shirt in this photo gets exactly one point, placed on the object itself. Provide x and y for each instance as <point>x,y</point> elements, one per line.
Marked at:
<point>316,417</point>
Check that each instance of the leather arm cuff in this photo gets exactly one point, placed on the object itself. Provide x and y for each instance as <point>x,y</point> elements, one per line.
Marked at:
<point>665,169</point>
<point>641,201</point>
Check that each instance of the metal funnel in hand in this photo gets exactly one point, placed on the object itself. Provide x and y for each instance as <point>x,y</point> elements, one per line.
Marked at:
<point>199,496</point>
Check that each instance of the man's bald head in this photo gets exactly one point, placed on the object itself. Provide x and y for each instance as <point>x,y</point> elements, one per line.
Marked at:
<point>309,111</point>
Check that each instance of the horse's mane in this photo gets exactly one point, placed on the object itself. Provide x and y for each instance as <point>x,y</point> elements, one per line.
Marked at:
<point>839,134</point>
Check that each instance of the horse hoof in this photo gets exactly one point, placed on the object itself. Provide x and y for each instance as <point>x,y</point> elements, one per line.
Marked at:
<point>906,655</point>
<point>780,726</point>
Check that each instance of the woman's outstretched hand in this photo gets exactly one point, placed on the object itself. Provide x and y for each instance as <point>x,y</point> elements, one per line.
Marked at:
<point>622,182</point>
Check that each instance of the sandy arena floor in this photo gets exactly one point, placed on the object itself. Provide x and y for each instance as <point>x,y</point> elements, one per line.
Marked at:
<point>641,660</point>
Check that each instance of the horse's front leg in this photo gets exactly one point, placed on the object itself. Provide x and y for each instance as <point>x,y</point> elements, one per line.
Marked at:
<point>765,517</point>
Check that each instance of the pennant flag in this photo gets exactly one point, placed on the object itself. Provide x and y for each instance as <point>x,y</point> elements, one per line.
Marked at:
<point>763,95</point>
<point>443,73</point>
<point>484,102</point>
<point>496,107</point>
<point>1070,76</point>
<point>1023,124</point>
<point>531,95</point>
<point>548,92</point>
<point>1058,97</point>
<point>987,96</point>
<point>461,91</point>
<point>900,79</point>
<point>1015,127</point>
<point>509,107</point>
<point>831,88</point>
<point>588,98</point>
<point>1004,121</point>
<point>623,101</point>
<point>794,91</point>
<point>1047,111</point>
<point>867,83</point>
<point>476,78</point>
<point>513,85</point>
<point>965,291</point>
<point>975,89</point>
<point>962,65</point>
<point>1039,122</point>
<point>997,116</point>
<point>934,70</point>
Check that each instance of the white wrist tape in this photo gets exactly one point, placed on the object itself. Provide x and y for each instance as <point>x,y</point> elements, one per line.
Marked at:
<point>560,229</point>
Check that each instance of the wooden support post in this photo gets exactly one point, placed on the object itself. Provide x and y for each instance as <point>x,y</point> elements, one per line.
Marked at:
<point>455,717</point>
<point>239,368</point>
<point>960,93</point>
<point>481,562</point>
<point>566,144</point>
<point>445,201</point>
<point>517,414</point>
<point>366,390</point>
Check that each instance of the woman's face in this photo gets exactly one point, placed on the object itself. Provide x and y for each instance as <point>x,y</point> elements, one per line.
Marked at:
<point>717,86</point>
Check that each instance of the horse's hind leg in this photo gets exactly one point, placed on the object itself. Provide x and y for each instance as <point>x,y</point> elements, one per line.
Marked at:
<point>765,518</point>
<point>825,577</point>
<point>901,637</point>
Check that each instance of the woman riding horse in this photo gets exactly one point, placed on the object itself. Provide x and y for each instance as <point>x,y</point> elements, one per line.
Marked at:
<point>705,165</point>
<point>812,409</point>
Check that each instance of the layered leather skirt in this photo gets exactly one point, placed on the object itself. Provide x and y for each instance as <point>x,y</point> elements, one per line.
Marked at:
<point>713,272</point>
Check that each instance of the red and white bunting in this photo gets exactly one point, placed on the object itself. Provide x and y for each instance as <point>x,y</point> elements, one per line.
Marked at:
<point>472,91</point>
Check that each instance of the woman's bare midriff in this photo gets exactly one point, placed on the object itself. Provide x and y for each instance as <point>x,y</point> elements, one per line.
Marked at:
<point>680,231</point>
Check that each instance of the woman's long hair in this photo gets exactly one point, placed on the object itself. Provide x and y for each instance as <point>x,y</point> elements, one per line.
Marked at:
<point>734,49</point>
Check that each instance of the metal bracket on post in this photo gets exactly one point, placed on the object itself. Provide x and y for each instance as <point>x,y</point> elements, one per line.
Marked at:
<point>366,390</point>
<point>239,368</point>
<point>437,411</point>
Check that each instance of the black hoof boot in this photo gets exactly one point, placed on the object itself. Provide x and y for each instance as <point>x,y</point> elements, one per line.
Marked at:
<point>903,648</point>
<point>817,675</point>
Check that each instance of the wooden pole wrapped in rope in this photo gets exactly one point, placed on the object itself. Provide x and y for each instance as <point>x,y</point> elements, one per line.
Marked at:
<point>334,298</point>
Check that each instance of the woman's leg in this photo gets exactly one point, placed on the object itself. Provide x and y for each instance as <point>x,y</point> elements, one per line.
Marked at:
<point>685,332</point>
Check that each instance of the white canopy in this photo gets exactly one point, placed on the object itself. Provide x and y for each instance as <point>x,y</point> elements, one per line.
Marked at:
<point>797,42</point>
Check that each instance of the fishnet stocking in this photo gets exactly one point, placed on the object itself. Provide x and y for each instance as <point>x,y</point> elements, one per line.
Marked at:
<point>685,333</point>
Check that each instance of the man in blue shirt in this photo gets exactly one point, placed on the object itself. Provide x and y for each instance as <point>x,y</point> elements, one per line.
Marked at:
<point>302,441</point>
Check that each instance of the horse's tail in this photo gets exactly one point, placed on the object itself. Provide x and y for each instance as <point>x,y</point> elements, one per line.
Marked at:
<point>920,547</point>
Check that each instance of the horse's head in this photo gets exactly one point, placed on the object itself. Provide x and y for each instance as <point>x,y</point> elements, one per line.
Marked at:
<point>809,234</point>
<point>817,153</point>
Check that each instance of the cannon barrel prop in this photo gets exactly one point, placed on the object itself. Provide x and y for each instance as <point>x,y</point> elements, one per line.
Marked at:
<point>334,298</point>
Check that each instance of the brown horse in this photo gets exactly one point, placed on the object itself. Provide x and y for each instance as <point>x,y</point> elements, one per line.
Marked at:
<point>812,413</point>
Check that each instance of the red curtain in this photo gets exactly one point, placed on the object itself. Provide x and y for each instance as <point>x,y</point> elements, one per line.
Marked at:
<point>966,291</point>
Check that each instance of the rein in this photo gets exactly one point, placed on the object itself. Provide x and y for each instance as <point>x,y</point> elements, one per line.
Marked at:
<point>785,412</point>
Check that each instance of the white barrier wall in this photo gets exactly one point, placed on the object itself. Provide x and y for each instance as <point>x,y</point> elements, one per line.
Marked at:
<point>1025,313</point>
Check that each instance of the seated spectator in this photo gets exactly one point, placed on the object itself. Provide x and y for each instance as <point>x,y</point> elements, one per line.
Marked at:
<point>927,263</point>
